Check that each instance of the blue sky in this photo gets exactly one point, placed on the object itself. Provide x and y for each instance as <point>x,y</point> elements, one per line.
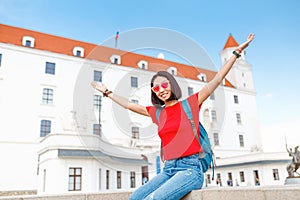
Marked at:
<point>273,54</point>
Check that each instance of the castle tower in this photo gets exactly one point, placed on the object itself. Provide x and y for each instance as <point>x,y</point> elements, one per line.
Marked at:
<point>241,73</point>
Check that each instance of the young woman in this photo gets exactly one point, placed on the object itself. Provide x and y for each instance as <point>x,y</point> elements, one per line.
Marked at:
<point>182,171</point>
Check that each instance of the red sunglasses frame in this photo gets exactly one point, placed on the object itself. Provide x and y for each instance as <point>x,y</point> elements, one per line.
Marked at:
<point>163,85</point>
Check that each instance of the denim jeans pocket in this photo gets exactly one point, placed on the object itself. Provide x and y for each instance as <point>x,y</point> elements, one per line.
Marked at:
<point>168,164</point>
<point>190,162</point>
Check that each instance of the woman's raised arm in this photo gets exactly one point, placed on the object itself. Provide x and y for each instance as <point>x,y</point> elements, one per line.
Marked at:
<point>120,100</point>
<point>215,82</point>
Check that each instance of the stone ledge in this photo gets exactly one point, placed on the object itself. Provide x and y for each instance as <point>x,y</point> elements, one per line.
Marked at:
<point>246,193</point>
<point>18,192</point>
<point>217,193</point>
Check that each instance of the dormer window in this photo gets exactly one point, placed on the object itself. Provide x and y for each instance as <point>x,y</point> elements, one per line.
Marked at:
<point>143,64</point>
<point>78,51</point>
<point>115,59</point>
<point>28,41</point>
<point>202,77</point>
<point>172,70</point>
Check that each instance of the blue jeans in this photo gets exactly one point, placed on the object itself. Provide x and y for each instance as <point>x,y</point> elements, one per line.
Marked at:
<point>179,177</point>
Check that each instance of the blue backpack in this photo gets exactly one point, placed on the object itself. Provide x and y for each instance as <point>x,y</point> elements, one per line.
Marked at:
<point>207,156</point>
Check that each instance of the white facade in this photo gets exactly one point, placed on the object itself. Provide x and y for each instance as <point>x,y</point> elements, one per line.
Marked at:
<point>43,163</point>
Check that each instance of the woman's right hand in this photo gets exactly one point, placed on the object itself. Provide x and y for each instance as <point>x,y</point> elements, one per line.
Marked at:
<point>98,86</point>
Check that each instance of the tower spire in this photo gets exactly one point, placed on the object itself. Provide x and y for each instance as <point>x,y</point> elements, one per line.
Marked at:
<point>231,42</point>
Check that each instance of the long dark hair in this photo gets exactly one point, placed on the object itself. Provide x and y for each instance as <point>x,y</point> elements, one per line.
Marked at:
<point>175,89</point>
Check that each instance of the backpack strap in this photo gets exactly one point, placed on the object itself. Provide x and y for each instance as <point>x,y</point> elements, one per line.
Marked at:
<point>157,114</point>
<point>188,112</point>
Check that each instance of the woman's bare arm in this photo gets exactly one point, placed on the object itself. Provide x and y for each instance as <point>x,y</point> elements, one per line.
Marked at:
<point>215,82</point>
<point>120,100</point>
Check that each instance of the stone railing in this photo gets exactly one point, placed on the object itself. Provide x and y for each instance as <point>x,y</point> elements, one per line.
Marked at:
<point>221,193</point>
<point>18,193</point>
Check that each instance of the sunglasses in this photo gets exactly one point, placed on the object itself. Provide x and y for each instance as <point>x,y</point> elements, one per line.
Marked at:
<point>164,85</point>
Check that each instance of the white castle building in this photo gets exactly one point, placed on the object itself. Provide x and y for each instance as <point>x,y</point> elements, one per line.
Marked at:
<point>59,135</point>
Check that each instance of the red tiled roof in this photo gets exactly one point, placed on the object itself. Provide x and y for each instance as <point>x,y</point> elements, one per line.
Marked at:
<point>231,42</point>
<point>57,44</point>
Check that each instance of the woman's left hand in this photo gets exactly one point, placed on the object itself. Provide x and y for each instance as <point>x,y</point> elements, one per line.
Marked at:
<point>250,38</point>
<point>245,44</point>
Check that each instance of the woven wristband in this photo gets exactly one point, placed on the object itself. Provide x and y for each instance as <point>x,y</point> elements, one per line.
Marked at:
<point>106,93</point>
<point>236,54</point>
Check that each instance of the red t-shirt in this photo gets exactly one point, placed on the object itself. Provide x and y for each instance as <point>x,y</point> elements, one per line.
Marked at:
<point>175,129</point>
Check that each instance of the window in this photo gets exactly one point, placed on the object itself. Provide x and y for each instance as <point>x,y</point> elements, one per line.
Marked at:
<point>75,179</point>
<point>0,59</point>
<point>45,128</point>
<point>115,59</point>
<point>134,101</point>
<point>202,77</point>
<point>229,179</point>
<point>172,70</point>
<point>28,41</point>
<point>134,82</point>
<point>219,180</point>
<point>99,180</point>
<point>208,178</point>
<point>119,180</point>
<point>238,118</point>
<point>97,129</point>
<point>236,99</point>
<point>242,177</point>
<point>97,76</point>
<point>275,174</point>
<point>135,132</point>
<point>190,91</point>
<point>216,139</point>
<point>50,68</point>
<point>47,96</point>
<point>107,179</point>
<point>212,96</point>
<point>132,179</point>
<point>44,180</point>
<point>213,115</point>
<point>241,140</point>
<point>230,176</point>
<point>78,51</point>
<point>97,102</point>
<point>143,64</point>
